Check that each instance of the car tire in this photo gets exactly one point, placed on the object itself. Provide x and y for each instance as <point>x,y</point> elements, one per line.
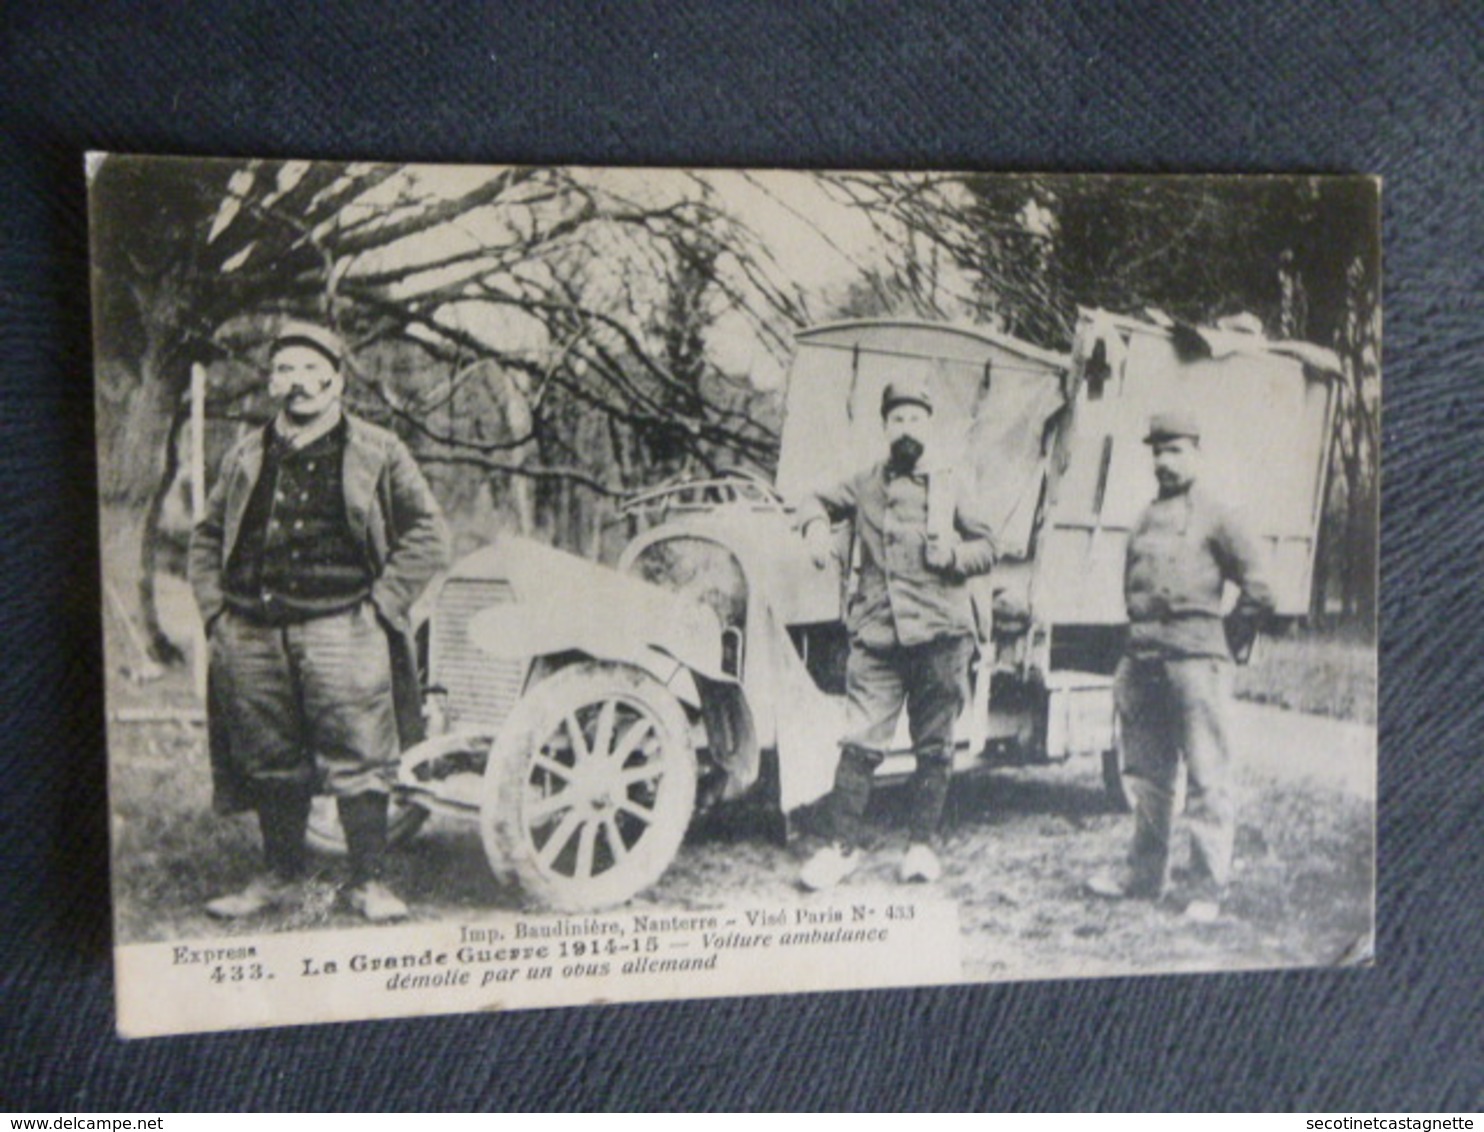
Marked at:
<point>589,788</point>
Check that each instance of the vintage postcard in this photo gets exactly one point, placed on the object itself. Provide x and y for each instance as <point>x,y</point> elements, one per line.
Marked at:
<point>540,586</point>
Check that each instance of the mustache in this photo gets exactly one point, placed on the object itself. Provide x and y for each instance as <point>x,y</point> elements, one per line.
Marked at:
<point>305,388</point>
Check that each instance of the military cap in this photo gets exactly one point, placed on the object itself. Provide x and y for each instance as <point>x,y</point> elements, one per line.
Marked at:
<point>1171,426</point>
<point>904,393</point>
<point>312,335</point>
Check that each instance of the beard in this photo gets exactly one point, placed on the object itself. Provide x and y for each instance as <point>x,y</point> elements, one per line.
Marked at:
<point>1171,483</point>
<point>905,452</point>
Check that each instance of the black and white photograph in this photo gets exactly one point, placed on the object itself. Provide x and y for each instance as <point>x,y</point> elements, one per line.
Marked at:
<point>536,586</point>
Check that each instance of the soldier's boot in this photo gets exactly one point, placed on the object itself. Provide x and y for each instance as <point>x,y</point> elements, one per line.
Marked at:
<point>363,817</point>
<point>283,816</point>
<point>1147,875</point>
<point>828,866</point>
<point>929,798</point>
<point>1208,894</point>
<point>262,894</point>
<point>844,812</point>
<point>854,775</point>
<point>920,865</point>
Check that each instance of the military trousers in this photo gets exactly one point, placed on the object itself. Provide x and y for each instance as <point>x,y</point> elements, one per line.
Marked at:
<point>308,704</point>
<point>1174,710</point>
<point>931,680</point>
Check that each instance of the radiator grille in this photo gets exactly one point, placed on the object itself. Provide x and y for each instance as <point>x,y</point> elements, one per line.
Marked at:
<point>481,689</point>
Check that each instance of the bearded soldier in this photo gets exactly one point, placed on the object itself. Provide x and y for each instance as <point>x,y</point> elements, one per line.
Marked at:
<point>911,626</point>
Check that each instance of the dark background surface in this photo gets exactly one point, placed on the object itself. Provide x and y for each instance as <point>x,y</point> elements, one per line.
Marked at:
<point>1393,89</point>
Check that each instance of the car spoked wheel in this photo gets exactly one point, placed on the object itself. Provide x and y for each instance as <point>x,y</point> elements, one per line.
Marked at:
<point>590,787</point>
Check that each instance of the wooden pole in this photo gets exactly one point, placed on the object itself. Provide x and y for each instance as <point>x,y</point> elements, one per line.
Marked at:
<point>198,505</point>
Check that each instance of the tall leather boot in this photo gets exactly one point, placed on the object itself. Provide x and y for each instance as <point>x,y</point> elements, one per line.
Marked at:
<point>845,808</point>
<point>854,775</point>
<point>283,816</point>
<point>929,794</point>
<point>363,817</point>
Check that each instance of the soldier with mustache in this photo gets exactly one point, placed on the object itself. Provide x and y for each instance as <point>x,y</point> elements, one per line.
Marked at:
<point>318,536</point>
<point>1173,685</point>
<point>911,625</point>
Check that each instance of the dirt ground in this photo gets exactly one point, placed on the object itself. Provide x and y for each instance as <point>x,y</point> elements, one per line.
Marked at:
<point>1021,844</point>
<point>1018,847</point>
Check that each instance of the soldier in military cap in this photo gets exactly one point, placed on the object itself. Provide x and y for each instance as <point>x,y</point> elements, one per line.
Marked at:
<point>911,627</point>
<point>1173,685</point>
<point>318,536</point>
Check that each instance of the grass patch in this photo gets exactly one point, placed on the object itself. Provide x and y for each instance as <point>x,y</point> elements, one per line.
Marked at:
<point>1312,672</point>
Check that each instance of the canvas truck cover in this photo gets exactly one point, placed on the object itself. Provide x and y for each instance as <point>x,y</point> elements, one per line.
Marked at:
<point>993,398</point>
<point>1265,409</point>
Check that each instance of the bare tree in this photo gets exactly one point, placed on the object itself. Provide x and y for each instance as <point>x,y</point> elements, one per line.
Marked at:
<point>543,325</point>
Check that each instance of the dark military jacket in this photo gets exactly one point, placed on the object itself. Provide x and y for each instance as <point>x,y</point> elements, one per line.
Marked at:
<point>1182,552</point>
<point>900,600</point>
<point>397,527</point>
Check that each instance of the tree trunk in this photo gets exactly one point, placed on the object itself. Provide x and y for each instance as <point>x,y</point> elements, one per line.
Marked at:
<point>161,648</point>
<point>1361,528</point>
<point>1324,544</point>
